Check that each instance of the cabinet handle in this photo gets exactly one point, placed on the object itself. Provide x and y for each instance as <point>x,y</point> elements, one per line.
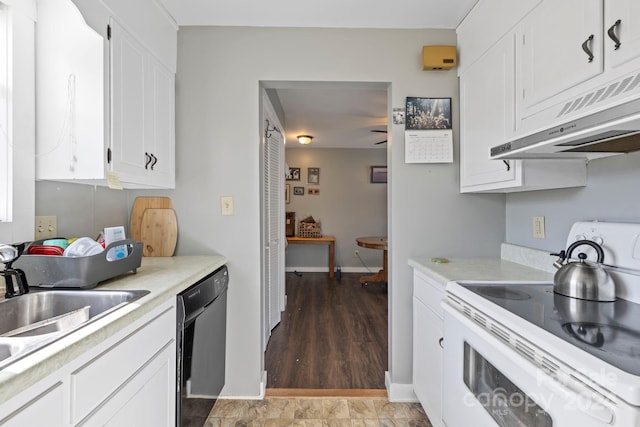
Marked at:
<point>612,34</point>
<point>587,48</point>
<point>147,161</point>
<point>440,342</point>
<point>155,160</point>
<point>506,162</point>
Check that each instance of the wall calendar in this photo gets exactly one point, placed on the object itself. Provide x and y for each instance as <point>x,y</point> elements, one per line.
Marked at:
<point>428,146</point>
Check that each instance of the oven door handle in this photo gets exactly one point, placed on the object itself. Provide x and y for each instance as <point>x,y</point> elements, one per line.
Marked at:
<point>584,403</point>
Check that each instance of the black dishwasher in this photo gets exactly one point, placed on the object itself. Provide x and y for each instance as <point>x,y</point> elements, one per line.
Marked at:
<point>201,339</point>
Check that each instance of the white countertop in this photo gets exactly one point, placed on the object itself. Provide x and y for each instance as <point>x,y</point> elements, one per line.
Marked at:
<point>491,269</point>
<point>163,277</point>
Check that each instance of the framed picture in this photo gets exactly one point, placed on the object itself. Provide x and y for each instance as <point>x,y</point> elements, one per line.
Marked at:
<point>293,175</point>
<point>314,191</point>
<point>313,176</point>
<point>287,193</point>
<point>298,191</point>
<point>378,174</point>
<point>428,113</point>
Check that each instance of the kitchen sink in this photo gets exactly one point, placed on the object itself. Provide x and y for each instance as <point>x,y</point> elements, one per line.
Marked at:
<point>31,321</point>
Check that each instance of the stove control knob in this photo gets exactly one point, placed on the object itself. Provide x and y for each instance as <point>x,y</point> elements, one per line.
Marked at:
<point>598,239</point>
<point>580,237</point>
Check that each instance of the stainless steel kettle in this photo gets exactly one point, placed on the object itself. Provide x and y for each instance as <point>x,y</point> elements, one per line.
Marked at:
<point>583,279</point>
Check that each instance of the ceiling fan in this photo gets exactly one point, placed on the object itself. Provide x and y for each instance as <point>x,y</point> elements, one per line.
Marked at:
<point>379,131</point>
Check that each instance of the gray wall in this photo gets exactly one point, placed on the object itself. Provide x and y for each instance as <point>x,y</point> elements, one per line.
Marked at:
<point>348,205</point>
<point>612,194</point>
<point>217,154</point>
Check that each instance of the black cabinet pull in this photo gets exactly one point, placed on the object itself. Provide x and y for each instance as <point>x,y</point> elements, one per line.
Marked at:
<point>612,34</point>
<point>147,160</point>
<point>440,341</point>
<point>155,160</point>
<point>506,162</point>
<point>587,48</point>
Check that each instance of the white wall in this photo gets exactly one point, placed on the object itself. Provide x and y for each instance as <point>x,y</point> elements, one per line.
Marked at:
<point>348,206</point>
<point>218,141</point>
<point>611,194</point>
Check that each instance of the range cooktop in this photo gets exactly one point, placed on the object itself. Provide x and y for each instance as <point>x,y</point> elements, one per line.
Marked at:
<point>609,331</point>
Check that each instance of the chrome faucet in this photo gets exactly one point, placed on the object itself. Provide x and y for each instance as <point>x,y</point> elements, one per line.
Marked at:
<point>8,254</point>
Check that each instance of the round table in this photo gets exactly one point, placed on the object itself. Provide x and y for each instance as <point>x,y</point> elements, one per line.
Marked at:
<point>375,242</point>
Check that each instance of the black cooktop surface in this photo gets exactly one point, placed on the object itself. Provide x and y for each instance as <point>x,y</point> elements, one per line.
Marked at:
<point>608,330</point>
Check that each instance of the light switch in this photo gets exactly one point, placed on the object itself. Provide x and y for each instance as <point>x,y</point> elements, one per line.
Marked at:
<point>46,227</point>
<point>226,205</point>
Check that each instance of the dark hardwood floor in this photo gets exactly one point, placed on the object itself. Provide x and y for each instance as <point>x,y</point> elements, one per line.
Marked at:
<point>333,335</point>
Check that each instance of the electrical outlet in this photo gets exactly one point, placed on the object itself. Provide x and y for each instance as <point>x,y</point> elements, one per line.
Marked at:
<point>46,227</point>
<point>226,205</point>
<point>538,227</point>
<point>356,253</point>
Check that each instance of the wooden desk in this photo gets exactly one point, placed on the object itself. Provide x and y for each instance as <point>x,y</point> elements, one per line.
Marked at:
<point>375,242</point>
<point>326,240</point>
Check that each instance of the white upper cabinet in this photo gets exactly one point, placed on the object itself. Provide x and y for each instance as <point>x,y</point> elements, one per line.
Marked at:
<point>561,48</point>
<point>576,57</point>
<point>488,117</point>
<point>70,95</point>
<point>142,113</point>
<point>105,95</point>
<point>622,26</point>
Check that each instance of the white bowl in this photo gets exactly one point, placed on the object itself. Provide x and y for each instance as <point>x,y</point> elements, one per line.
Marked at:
<point>84,246</point>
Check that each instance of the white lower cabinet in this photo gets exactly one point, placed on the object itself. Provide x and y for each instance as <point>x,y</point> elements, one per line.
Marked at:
<point>127,380</point>
<point>427,346</point>
<point>44,410</point>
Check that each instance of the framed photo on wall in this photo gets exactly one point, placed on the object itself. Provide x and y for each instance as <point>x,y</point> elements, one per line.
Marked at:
<point>313,176</point>
<point>378,174</point>
<point>287,193</point>
<point>428,113</point>
<point>298,191</point>
<point>293,175</point>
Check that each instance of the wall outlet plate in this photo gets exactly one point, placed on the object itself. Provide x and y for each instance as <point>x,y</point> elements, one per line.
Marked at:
<point>538,227</point>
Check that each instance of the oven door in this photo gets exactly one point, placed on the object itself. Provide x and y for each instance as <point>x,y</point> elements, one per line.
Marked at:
<point>487,383</point>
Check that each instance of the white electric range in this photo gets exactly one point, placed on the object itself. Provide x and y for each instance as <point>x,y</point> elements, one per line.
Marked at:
<point>516,354</point>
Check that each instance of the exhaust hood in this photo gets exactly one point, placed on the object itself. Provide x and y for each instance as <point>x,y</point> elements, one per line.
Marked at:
<point>612,131</point>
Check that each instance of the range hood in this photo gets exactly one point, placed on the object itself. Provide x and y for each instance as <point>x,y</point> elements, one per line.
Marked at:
<point>612,131</point>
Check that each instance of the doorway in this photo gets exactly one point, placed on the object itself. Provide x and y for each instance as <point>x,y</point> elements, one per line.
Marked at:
<point>349,137</point>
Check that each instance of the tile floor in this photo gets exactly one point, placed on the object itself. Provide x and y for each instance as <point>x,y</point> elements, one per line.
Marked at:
<point>316,412</point>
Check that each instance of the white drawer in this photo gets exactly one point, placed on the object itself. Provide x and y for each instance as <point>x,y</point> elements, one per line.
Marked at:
<point>428,291</point>
<point>95,381</point>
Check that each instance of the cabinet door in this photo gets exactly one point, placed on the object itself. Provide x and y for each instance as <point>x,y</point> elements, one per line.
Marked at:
<point>627,31</point>
<point>427,360</point>
<point>552,38</point>
<point>47,409</point>
<point>127,104</point>
<point>159,123</point>
<point>487,118</point>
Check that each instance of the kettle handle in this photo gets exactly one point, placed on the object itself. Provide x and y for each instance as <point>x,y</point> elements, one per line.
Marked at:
<point>591,243</point>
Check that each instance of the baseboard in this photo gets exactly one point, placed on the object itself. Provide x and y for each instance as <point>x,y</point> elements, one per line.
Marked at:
<point>327,393</point>
<point>399,392</point>
<point>370,270</point>
<point>263,388</point>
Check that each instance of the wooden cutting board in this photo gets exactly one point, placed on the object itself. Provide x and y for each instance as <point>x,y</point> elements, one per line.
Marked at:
<point>159,232</point>
<point>139,206</point>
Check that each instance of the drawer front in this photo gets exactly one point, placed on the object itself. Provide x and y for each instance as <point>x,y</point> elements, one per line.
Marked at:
<point>429,292</point>
<point>94,382</point>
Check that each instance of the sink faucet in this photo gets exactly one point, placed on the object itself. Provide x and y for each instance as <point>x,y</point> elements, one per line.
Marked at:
<point>8,254</point>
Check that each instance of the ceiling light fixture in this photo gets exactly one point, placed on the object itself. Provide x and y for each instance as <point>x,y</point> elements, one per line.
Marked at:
<point>304,139</point>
